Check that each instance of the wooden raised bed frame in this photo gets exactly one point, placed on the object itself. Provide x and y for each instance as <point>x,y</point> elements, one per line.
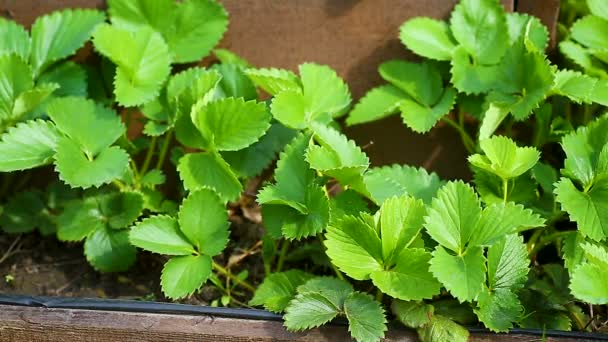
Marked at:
<point>353,37</point>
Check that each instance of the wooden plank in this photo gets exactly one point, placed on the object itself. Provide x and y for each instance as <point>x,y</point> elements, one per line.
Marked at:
<point>29,324</point>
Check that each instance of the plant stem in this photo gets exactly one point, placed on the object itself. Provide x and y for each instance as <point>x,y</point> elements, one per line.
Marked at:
<point>336,270</point>
<point>586,114</point>
<point>119,185</point>
<point>467,141</point>
<point>228,274</point>
<point>379,295</point>
<point>505,190</point>
<point>282,255</point>
<point>149,154</point>
<point>548,240</point>
<point>163,150</point>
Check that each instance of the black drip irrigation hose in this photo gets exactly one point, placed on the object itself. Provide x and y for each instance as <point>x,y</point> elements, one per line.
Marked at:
<point>186,309</point>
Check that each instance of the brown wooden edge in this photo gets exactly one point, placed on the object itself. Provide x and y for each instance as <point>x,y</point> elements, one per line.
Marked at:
<point>33,324</point>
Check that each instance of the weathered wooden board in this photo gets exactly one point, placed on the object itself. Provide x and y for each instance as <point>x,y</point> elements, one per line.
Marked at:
<point>27,324</point>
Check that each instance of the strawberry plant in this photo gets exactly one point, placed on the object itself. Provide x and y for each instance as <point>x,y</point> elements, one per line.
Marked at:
<point>153,153</point>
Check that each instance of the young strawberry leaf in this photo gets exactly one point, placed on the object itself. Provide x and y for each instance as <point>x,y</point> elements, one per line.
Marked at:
<point>191,28</point>
<point>377,104</point>
<point>16,78</point>
<point>588,279</point>
<point>535,35</point>
<point>421,118</point>
<point>468,77</point>
<point>160,234</point>
<point>443,329</point>
<point>413,314</point>
<point>235,83</point>
<point>71,78</point>
<point>79,219</point>
<point>401,220</point>
<point>57,35</point>
<point>121,209</point>
<point>231,124</point>
<point>585,31</point>
<point>397,180</point>
<point>109,250</point>
<point>500,219</point>
<point>508,263</point>
<point>337,156</point>
<point>274,81</point>
<point>589,209</point>
<point>463,275</point>
<point>25,212</point>
<point>499,310</point>
<point>77,170</point>
<point>278,289</point>
<point>209,170</point>
<point>92,126</point>
<point>428,37</point>
<point>183,275</point>
<point>204,221</point>
<point>309,310</point>
<point>481,28</point>
<point>142,59</point>
<point>28,145</point>
<point>186,88</point>
<point>366,320</point>
<point>504,158</point>
<point>15,39</point>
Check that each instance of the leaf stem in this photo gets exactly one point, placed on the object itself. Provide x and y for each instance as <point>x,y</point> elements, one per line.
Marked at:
<point>467,141</point>
<point>282,255</point>
<point>505,189</point>
<point>228,274</point>
<point>149,154</point>
<point>163,150</point>
<point>549,239</point>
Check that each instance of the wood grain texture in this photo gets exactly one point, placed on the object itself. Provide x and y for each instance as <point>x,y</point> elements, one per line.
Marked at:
<point>27,324</point>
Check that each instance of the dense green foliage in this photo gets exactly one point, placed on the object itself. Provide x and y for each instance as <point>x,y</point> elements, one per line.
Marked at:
<point>438,254</point>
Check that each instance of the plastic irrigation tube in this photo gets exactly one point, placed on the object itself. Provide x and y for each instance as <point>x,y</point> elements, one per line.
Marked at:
<point>186,309</point>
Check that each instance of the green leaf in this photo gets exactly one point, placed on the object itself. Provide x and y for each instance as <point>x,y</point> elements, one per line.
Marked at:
<point>24,212</point>
<point>401,220</point>
<point>209,170</point>
<point>79,171</point>
<point>335,290</point>
<point>521,190</point>
<point>413,314</point>
<point>366,320</point>
<point>309,310</point>
<point>28,145</point>
<point>186,88</point>
<point>420,81</point>
<point>121,208</point>
<point>589,209</point>
<point>278,289</point>
<point>581,56</point>
<point>15,78</point>
<point>160,234</point>
<point>142,59</point>
<point>599,8</point>
<point>588,281</point>
<point>235,83</point>
<point>71,78</point>
<point>523,27</point>
<point>354,247</point>
<point>191,28</point>
<point>27,101</point>
<point>508,263</point>
<point>155,129</point>
<point>199,25</point>
<point>453,216</point>
<point>109,250</point>
<point>421,118</point>
<point>91,125</point>
<point>204,221</point>
<point>428,37</point>
<point>493,117</point>
<point>295,224</point>
<point>463,275</point>
<point>523,80</point>
<point>289,108</point>
<point>183,275</point>
<point>292,175</point>
<point>153,178</point>
<point>504,158</point>
<point>397,180</point>
<point>583,151</point>
<point>231,124</point>
<point>585,31</point>
<point>575,85</point>
<point>274,81</point>
<point>251,161</point>
<point>481,28</point>
<point>469,77</point>
<point>58,35</point>
<point>226,56</point>
<point>410,278</point>
<point>500,219</point>
<point>571,252</point>
<point>443,329</point>
<point>498,310</point>
<point>79,219</point>
<point>15,39</point>
<point>336,156</point>
<point>378,103</point>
